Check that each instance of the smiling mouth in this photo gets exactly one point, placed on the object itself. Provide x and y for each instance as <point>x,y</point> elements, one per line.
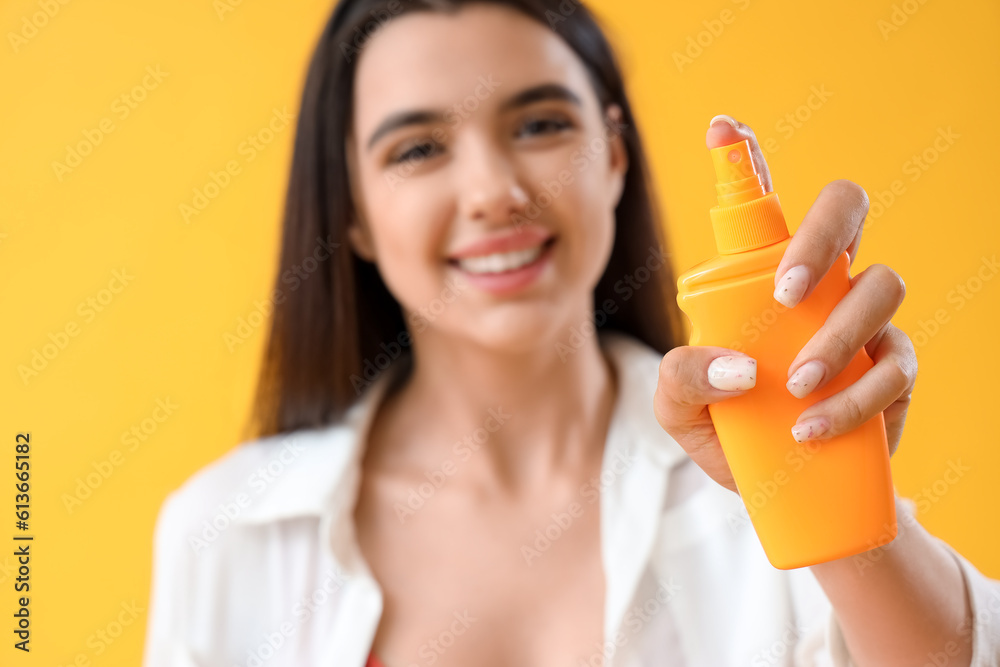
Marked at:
<point>502,262</point>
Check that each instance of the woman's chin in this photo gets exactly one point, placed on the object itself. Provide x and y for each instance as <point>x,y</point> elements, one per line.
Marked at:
<point>520,331</point>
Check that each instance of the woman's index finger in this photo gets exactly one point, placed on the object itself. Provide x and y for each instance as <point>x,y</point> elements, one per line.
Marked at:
<point>724,130</point>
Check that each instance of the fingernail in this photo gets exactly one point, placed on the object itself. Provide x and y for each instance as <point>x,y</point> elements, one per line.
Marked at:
<point>723,117</point>
<point>733,373</point>
<point>806,378</point>
<point>810,429</point>
<point>792,286</point>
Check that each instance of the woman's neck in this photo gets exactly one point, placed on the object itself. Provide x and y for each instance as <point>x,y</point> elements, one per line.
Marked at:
<point>513,422</point>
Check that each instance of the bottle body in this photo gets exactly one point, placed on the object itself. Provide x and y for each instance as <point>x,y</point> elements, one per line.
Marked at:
<point>809,502</point>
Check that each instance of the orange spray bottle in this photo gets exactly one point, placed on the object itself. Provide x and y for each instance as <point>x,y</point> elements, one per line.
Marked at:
<point>809,502</point>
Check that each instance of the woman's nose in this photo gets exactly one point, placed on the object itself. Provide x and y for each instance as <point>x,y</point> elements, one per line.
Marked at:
<point>487,184</point>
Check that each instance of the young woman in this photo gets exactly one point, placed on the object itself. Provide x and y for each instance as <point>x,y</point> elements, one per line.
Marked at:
<point>480,440</point>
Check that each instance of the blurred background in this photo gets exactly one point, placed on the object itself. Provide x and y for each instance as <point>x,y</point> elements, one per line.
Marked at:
<point>145,151</point>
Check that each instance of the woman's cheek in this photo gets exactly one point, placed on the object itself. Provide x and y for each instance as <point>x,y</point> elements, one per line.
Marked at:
<point>588,235</point>
<point>409,256</point>
<point>410,287</point>
<point>597,215</point>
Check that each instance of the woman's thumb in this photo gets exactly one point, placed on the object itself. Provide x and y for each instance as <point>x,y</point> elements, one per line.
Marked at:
<point>693,376</point>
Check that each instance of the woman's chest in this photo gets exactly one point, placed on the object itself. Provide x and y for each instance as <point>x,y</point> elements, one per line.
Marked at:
<point>485,583</point>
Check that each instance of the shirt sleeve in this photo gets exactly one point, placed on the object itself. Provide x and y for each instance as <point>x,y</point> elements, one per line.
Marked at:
<point>169,593</point>
<point>984,598</point>
<point>820,641</point>
<point>984,632</point>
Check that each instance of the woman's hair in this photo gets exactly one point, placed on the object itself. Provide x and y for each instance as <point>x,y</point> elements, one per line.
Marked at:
<point>335,324</point>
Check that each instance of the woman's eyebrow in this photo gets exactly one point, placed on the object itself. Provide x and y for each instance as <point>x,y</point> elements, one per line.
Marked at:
<point>545,91</point>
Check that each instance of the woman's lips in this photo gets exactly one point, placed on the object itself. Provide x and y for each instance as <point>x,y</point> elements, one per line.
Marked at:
<point>509,282</point>
<point>516,239</point>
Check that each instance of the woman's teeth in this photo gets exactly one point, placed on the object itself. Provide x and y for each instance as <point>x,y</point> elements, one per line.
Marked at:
<point>501,261</point>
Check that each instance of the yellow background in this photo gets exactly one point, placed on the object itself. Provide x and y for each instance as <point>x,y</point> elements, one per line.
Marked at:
<point>161,336</point>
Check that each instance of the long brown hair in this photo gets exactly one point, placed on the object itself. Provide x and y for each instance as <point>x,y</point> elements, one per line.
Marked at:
<point>335,324</point>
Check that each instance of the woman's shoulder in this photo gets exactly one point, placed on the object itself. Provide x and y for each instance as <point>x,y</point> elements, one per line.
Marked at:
<point>270,478</point>
<point>252,476</point>
<point>216,480</point>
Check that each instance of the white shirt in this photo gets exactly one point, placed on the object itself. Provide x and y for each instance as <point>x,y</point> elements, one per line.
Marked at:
<point>256,561</point>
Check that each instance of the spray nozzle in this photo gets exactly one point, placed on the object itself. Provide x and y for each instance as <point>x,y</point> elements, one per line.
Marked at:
<point>737,179</point>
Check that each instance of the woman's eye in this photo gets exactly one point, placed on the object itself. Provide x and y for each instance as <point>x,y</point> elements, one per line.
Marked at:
<point>540,125</point>
<point>417,153</point>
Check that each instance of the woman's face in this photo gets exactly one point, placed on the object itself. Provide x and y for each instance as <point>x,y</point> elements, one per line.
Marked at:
<point>485,175</point>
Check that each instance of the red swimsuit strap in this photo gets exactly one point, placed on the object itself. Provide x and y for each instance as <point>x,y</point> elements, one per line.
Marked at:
<point>373,661</point>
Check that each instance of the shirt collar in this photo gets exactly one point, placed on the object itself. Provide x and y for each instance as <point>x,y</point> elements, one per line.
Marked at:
<point>324,476</point>
<point>312,484</point>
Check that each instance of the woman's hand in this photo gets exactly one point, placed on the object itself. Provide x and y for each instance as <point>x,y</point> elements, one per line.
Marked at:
<point>832,225</point>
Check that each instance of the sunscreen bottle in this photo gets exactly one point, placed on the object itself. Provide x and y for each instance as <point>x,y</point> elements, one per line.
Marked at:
<point>809,502</point>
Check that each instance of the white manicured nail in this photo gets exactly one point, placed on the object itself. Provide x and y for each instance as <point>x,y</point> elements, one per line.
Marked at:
<point>727,119</point>
<point>806,378</point>
<point>733,373</point>
<point>792,286</point>
<point>810,429</point>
